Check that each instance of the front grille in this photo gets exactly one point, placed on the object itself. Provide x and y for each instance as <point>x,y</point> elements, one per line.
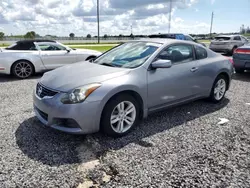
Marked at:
<point>42,91</point>
<point>42,114</point>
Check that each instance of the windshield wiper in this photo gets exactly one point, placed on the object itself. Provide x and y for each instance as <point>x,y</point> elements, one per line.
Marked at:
<point>107,64</point>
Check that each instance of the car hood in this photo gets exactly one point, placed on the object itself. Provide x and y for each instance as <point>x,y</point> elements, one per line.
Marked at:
<point>79,74</point>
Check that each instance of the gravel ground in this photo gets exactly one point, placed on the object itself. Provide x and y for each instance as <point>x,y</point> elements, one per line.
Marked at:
<point>180,147</point>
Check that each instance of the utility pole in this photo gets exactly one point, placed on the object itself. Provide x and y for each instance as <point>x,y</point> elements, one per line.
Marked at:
<point>98,21</point>
<point>211,27</point>
<point>131,29</point>
<point>169,18</point>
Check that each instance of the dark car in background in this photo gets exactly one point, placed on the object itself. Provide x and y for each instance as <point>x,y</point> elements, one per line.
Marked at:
<point>241,58</point>
<point>227,43</point>
<point>178,36</point>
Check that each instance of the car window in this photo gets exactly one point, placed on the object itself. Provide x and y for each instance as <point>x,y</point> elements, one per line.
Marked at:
<point>200,52</point>
<point>22,46</point>
<point>50,47</point>
<point>128,55</point>
<point>237,38</point>
<point>222,38</point>
<point>188,38</point>
<point>181,53</point>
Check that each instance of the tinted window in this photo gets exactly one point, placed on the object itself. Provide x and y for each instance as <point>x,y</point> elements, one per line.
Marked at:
<point>222,38</point>
<point>181,53</point>
<point>201,53</point>
<point>50,47</point>
<point>237,38</point>
<point>188,38</point>
<point>22,46</point>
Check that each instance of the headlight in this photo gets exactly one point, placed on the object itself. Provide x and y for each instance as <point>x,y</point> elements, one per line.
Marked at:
<point>78,95</point>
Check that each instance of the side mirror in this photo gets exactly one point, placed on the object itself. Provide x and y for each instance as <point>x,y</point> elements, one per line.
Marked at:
<point>68,50</point>
<point>161,63</point>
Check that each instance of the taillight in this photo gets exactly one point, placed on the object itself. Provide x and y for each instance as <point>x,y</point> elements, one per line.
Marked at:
<point>242,51</point>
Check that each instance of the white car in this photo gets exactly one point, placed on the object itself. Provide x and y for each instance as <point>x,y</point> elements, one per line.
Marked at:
<point>24,58</point>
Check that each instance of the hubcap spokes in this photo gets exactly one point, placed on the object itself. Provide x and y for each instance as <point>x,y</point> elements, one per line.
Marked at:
<point>23,69</point>
<point>123,117</point>
<point>220,89</point>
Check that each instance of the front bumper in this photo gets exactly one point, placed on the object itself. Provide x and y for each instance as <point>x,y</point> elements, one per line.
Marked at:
<point>52,113</point>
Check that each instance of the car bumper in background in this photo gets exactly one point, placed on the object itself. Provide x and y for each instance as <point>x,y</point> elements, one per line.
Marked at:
<point>241,64</point>
<point>69,118</point>
<point>221,48</point>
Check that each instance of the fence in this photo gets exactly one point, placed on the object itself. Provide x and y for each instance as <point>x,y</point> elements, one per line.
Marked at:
<point>10,40</point>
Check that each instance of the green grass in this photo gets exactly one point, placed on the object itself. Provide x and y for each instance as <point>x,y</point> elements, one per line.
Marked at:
<point>97,48</point>
<point>204,41</point>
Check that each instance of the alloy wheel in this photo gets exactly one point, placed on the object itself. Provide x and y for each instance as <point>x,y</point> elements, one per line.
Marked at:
<point>23,69</point>
<point>220,89</point>
<point>123,117</point>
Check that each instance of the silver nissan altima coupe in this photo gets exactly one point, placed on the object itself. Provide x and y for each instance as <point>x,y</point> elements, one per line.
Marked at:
<point>125,84</point>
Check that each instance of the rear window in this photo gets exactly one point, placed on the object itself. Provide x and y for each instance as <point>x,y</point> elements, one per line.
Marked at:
<point>222,38</point>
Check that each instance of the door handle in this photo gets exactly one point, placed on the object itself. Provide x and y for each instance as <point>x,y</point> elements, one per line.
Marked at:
<point>194,69</point>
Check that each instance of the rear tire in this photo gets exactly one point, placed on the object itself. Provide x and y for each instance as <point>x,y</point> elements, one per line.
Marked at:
<point>22,69</point>
<point>239,71</point>
<point>219,89</point>
<point>120,115</point>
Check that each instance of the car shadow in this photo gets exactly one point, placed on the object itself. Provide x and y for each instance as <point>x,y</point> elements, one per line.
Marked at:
<point>245,77</point>
<point>54,148</point>
<point>11,78</point>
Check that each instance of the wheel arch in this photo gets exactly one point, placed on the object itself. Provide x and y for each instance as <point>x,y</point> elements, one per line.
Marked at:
<point>11,68</point>
<point>226,75</point>
<point>131,92</point>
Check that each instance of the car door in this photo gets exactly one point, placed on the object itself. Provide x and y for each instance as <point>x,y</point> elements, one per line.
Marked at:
<point>54,55</point>
<point>167,86</point>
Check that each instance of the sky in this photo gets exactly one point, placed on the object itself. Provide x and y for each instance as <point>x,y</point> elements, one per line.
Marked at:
<point>61,17</point>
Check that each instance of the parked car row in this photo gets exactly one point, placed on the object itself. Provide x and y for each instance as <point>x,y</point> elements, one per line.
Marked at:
<point>24,58</point>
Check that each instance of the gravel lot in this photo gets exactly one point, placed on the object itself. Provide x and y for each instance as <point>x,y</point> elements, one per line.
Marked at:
<point>180,147</point>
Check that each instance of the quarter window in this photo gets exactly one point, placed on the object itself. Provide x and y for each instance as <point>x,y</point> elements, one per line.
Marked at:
<point>181,53</point>
<point>201,53</point>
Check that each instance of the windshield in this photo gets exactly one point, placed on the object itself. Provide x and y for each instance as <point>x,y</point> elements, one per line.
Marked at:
<point>128,55</point>
<point>222,38</point>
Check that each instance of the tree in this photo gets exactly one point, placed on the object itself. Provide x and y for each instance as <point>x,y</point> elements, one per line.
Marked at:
<point>1,35</point>
<point>71,35</point>
<point>248,30</point>
<point>132,36</point>
<point>30,35</point>
<point>105,36</point>
<point>88,35</point>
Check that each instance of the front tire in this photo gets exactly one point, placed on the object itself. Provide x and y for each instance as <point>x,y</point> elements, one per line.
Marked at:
<point>219,89</point>
<point>22,69</point>
<point>120,115</point>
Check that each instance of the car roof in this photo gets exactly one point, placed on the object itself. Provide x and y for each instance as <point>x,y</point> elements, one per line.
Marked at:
<point>35,40</point>
<point>227,35</point>
<point>165,41</point>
